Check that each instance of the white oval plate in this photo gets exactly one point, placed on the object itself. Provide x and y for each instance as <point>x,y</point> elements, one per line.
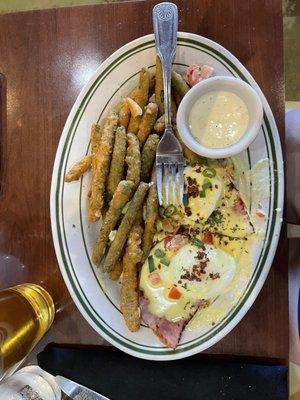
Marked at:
<point>96,297</point>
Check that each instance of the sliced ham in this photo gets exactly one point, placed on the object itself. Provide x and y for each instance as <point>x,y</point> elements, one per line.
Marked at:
<point>239,206</point>
<point>168,332</point>
<point>196,74</point>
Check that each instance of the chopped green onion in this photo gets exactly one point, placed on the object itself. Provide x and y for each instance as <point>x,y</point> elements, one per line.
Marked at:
<point>202,193</point>
<point>165,261</point>
<point>206,184</point>
<point>197,242</point>
<point>209,172</point>
<point>159,253</point>
<point>184,286</point>
<point>169,211</point>
<point>161,211</point>
<point>151,264</point>
<point>185,200</point>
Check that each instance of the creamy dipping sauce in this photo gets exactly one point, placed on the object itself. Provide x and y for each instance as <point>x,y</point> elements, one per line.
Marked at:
<point>218,119</point>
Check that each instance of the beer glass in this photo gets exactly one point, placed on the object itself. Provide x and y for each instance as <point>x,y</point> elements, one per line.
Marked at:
<point>26,313</point>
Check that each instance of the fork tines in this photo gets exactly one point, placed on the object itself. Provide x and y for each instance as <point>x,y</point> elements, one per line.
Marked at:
<point>169,182</point>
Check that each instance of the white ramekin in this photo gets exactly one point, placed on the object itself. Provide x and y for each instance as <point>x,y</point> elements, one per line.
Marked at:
<point>230,84</point>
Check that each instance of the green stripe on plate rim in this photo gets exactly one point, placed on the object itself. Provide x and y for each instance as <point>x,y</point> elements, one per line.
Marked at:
<point>59,188</point>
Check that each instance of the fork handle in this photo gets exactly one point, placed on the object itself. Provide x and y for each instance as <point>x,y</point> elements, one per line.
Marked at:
<point>165,25</point>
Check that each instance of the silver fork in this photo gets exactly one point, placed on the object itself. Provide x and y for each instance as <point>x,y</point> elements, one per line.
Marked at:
<point>169,157</point>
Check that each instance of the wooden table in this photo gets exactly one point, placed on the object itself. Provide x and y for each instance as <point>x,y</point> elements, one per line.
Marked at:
<point>46,58</point>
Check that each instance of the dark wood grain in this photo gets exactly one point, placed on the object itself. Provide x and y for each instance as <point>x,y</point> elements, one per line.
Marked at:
<point>2,127</point>
<point>46,58</point>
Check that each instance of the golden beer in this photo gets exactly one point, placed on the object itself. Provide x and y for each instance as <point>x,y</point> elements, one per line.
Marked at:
<point>26,313</point>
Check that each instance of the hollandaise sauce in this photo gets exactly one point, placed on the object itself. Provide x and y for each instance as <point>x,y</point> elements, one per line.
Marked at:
<point>218,119</point>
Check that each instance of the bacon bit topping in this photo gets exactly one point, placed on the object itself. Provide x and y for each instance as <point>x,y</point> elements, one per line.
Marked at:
<point>198,170</point>
<point>198,269</point>
<point>195,274</point>
<point>188,211</point>
<point>191,181</point>
<point>239,206</point>
<point>174,293</point>
<point>214,276</point>
<point>207,237</point>
<point>192,187</point>
<point>155,279</point>
<point>181,230</point>
<point>193,191</point>
<point>200,255</point>
<point>195,73</point>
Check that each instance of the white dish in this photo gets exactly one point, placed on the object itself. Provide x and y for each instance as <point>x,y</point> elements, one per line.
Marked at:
<point>217,83</point>
<point>96,297</point>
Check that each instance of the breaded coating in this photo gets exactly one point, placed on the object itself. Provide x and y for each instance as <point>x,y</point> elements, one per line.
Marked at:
<point>116,272</point>
<point>101,167</point>
<point>148,156</point>
<point>151,217</point>
<point>147,122</point>
<point>129,301</point>
<point>179,84</point>
<point>159,125</point>
<point>117,164</point>
<point>141,97</point>
<point>126,224</point>
<point>121,196</point>
<point>133,159</point>
<point>124,114</point>
<point>79,168</point>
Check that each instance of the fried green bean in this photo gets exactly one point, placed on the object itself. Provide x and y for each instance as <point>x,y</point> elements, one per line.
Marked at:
<point>159,87</point>
<point>95,142</point>
<point>148,156</point>
<point>176,97</point>
<point>126,224</point>
<point>133,159</point>
<point>101,167</point>
<point>129,299</point>
<point>121,196</point>
<point>147,122</point>
<point>79,168</point>
<point>117,164</point>
<point>152,80</point>
<point>134,107</point>
<point>116,272</point>
<point>179,84</point>
<point>159,125</point>
<point>151,217</point>
<point>141,97</point>
<point>95,138</point>
<point>124,114</point>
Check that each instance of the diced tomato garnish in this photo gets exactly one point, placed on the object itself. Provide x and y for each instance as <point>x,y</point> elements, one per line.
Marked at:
<point>207,237</point>
<point>155,279</point>
<point>239,206</point>
<point>174,293</point>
